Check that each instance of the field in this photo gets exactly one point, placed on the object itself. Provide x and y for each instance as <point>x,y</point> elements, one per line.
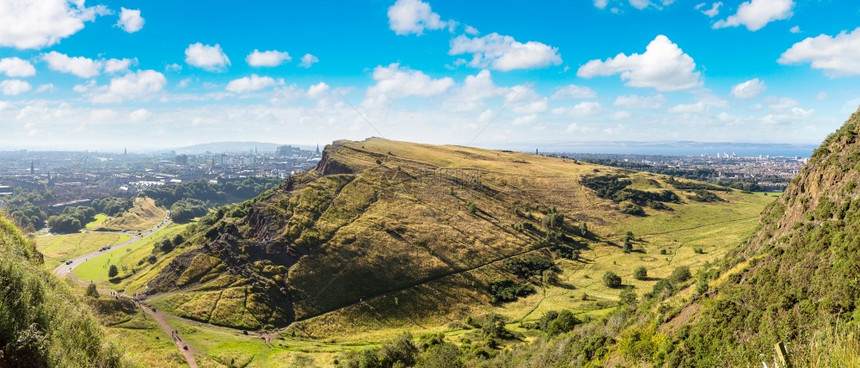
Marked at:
<point>129,260</point>
<point>61,247</point>
<point>144,215</point>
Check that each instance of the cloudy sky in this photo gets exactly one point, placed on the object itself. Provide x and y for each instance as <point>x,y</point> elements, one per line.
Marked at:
<point>108,74</point>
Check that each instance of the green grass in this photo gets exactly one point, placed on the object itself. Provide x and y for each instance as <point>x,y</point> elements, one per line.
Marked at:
<point>59,248</point>
<point>97,222</point>
<point>144,215</point>
<point>126,259</point>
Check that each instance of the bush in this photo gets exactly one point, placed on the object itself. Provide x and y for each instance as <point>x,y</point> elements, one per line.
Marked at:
<point>610,279</point>
<point>628,208</point>
<point>641,273</point>
<point>113,271</point>
<point>506,290</point>
<point>445,355</point>
<point>680,274</point>
<point>92,291</point>
<point>564,322</point>
<point>399,351</point>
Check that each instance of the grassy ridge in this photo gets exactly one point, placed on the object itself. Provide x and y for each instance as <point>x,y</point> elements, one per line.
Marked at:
<point>61,247</point>
<point>144,215</point>
<point>41,322</point>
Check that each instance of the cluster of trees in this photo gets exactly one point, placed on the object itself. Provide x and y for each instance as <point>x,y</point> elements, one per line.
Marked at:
<point>113,206</point>
<point>24,207</point>
<point>71,219</point>
<point>401,351</point>
<point>631,201</point>
<point>186,209</point>
<point>212,193</point>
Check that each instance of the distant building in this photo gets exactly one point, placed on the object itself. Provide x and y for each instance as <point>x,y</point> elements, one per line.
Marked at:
<point>287,151</point>
<point>182,160</point>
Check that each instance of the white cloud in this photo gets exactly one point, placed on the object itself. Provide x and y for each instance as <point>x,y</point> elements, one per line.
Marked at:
<point>795,29</point>
<point>117,65</point>
<point>395,82</point>
<point>574,91</point>
<point>16,67</point>
<point>173,67</point>
<point>45,88</point>
<point>749,89</point>
<point>576,128</point>
<point>793,114</point>
<point>640,4</point>
<point>821,96</point>
<point>663,66</point>
<point>103,115</point>
<point>837,56</point>
<point>698,107</point>
<point>582,109</point>
<point>139,115</point>
<point>130,20</point>
<point>206,57</point>
<point>475,89</point>
<point>601,4</point>
<point>11,87</point>
<point>471,30</point>
<point>713,11</point>
<point>504,52</point>
<point>621,115</point>
<point>640,102</point>
<point>308,60</point>
<point>783,103</point>
<point>78,65</point>
<point>135,85</point>
<point>413,16</point>
<point>755,14</point>
<point>267,58</point>
<point>250,84</point>
<point>318,90</point>
<point>525,119</point>
<point>42,23</point>
<point>522,99</point>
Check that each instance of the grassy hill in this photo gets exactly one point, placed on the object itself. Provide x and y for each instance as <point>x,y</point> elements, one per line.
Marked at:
<point>393,234</point>
<point>42,324</point>
<point>791,284</point>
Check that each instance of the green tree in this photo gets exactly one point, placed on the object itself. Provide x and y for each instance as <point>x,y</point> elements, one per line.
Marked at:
<point>680,274</point>
<point>563,323</point>
<point>610,279</point>
<point>92,291</point>
<point>398,352</point>
<point>445,355</point>
<point>641,273</point>
<point>113,271</point>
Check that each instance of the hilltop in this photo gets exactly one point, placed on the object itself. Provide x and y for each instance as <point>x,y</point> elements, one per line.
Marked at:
<point>386,232</point>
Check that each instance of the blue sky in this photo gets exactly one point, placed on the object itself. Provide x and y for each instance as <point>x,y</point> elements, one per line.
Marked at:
<point>103,75</point>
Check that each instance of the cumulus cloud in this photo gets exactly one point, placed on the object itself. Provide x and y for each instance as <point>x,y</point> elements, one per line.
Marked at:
<point>525,119</point>
<point>16,67</point>
<point>640,102</point>
<point>80,66</point>
<point>206,57</point>
<point>117,65</point>
<point>130,20</point>
<point>755,14</point>
<point>836,56</point>
<point>308,60</point>
<point>139,115</point>
<point>393,82</point>
<point>749,89</point>
<point>795,29</point>
<point>318,90</point>
<point>38,24</point>
<point>250,84</point>
<point>413,17</point>
<point>580,110</point>
<point>698,107</point>
<point>601,4</point>
<point>13,87</point>
<point>573,91</point>
<point>267,58</point>
<point>504,52</point>
<point>523,99</point>
<point>134,85</point>
<point>474,91</point>
<point>663,66</point>
<point>713,11</point>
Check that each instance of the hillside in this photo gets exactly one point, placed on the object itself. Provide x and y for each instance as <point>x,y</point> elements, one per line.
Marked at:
<point>42,324</point>
<point>406,233</point>
<point>793,283</point>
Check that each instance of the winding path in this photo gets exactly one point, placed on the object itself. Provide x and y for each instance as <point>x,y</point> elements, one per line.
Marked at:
<point>65,269</point>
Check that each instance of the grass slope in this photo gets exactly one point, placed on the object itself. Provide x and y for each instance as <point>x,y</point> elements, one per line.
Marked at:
<point>42,324</point>
<point>144,215</point>
<point>392,234</point>
<point>61,247</point>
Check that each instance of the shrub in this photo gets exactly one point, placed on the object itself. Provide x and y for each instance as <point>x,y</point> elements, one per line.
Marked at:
<point>113,271</point>
<point>629,208</point>
<point>92,291</point>
<point>506,290</point>
<point>610,279</point>
<point>641,273</point>
<point>564,322</point>
<point>680,274</point>
<point>445,355</point>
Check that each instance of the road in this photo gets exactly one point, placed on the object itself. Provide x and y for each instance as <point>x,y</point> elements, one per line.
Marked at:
<point>65,269</point>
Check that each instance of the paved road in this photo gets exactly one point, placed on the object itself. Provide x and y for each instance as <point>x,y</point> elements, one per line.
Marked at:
<point>65,268</point>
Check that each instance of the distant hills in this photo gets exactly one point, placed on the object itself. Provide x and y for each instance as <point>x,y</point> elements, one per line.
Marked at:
<point>232,147</point>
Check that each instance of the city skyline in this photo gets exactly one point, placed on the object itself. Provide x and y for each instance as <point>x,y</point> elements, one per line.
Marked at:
<point>108,75</point>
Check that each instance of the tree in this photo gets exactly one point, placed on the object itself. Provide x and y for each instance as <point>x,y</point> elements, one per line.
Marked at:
<point>92,291</point>
<point>563,323</point>
<point>445,355</point>
<point>399,350</point>
<point>680,274</point>
<point>641,273</point>
<point>610,279</point>
<point>113,271</point>
<point>628,245</point>
<point>177,240</point>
